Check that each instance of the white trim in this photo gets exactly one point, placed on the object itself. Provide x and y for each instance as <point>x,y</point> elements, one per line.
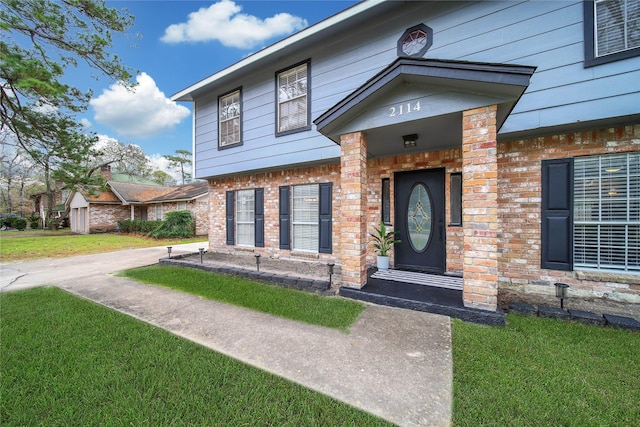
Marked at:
<point>185,94</point>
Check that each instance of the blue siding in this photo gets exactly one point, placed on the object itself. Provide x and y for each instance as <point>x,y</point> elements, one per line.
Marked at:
<point>544,34</point>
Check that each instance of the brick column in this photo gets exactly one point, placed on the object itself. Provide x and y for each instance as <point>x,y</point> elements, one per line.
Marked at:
<point>353,223</point>
<point>480,208</point>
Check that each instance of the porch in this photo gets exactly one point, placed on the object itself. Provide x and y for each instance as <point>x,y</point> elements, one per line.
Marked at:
<point>431,293</point>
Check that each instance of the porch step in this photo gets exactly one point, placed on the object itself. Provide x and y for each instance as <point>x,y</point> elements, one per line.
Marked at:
<point>446,282</point>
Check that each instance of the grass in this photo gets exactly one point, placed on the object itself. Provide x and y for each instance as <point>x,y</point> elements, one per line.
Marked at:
<point>43,245</point>
<point>545,372</point>
<point>276,300</point>
<point>66,361</point>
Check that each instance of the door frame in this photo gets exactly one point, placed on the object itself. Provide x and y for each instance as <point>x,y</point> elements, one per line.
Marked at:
<point>439,175</point>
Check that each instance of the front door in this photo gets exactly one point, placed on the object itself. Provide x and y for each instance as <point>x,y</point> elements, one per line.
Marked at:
<point>419,220</point>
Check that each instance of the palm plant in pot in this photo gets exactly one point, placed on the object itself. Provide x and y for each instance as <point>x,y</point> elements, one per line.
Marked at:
<point>383,240</point>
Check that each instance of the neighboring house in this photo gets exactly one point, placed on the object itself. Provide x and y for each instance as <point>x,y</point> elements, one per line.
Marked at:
<point>100,212</point>
<point>60,199</point>
<point>501,140</point>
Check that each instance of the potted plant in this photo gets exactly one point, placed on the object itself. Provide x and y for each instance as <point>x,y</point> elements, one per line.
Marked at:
<point>383,240</point>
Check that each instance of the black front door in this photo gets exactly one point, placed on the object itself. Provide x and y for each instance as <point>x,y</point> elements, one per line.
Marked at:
<point>419,220</point>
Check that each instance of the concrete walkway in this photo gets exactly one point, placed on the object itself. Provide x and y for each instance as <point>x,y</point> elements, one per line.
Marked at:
<point>393,363</point>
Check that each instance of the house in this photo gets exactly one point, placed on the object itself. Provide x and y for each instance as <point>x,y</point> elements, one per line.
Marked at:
<point>136,199</point>
<point>501,140</point>
<point>41,202</point>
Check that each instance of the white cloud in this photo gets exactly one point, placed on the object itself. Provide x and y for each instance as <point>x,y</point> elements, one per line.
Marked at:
<point>158,162</point>
<point>223,22</point>
<point>140,112</point>
<point>85,123</point>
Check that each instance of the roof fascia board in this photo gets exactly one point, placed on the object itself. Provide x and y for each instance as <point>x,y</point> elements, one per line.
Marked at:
<point>185,94</point>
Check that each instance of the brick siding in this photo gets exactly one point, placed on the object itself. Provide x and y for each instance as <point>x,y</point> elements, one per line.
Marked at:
<point>501,210</point>
<point>519,212</point>
<point>104,218</point>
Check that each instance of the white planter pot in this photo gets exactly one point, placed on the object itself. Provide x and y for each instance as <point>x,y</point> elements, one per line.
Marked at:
<point>383,263</point>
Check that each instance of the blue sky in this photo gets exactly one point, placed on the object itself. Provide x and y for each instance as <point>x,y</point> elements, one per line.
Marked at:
<point>178,44</point>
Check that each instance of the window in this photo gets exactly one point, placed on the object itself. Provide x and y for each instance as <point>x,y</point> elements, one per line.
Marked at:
<point>455,195</point>
<point>607,213</point>
<point>386,201</point>
<point>245,218</point>
<point>182,206</point>
<point>230,119</point>
<point>591,213</point>
<point>159,212</point>
<point>306,217</point>
<point>292,99</point>
<point>612,30</point>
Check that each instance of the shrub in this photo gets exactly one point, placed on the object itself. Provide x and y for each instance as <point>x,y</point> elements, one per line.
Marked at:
<point>20,223</point>
<point>138,226</point>
<point>34,224</point>
<point>178,224</point>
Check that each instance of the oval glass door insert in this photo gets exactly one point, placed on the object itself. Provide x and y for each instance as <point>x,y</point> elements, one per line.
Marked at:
<point>419,216</point>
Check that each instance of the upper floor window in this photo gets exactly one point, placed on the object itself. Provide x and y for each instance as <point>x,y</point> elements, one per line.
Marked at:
<point>612,30</point>
<point>293,99</point>
<point>230,119</point>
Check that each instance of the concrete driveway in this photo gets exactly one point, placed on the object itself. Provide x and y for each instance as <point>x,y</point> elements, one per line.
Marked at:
<point>394,363</point>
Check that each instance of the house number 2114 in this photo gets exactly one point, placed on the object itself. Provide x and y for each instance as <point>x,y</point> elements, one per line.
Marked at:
<point>406,108</point>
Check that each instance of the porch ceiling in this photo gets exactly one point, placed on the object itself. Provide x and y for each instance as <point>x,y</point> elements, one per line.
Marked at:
<point>423,97</point>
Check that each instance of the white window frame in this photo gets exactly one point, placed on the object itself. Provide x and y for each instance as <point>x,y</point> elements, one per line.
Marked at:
<point>230,119</point>
<point>606,214</point>
<point>182,206</point>
<point>305,216</point>
<point>159,212</point>
<point>245,217</point>
<point>292,93</point>
<point>624,27</point>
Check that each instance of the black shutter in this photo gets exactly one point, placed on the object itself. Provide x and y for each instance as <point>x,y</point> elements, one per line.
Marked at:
<point>285,221</point>
<point>557,214</point>
<point>325,218</point>
<point>230,220</point>
<point>259,217</point>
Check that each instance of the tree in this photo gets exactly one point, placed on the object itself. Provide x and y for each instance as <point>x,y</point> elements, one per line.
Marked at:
<point>125,158</point>
<point>163,178</point>
<point>17,177</point>
<point>40,39</point>
<point>182,158</point>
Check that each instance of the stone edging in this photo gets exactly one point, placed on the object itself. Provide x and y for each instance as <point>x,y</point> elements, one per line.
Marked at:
<point>300,283</point>
<point>585,317</point>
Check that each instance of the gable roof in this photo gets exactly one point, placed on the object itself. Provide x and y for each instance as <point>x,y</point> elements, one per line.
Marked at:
<point>184,192</point>
<point>132,193</point>
<point>308,36</point>
<point>447,86</point>
<point>137,193</point>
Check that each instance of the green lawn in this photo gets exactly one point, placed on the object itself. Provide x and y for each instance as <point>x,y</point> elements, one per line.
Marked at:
<point>289,303</point>
<point>545,372</point>
<point>66,361</point>
<point>36,245</point>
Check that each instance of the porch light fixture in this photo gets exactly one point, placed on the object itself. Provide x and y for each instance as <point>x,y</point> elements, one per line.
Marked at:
<point>410,140</point>
<point>330,266</point>
<point>258,262</point>
<point>169,251</point>
<point>202,251</point>
<point>561,292</point>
